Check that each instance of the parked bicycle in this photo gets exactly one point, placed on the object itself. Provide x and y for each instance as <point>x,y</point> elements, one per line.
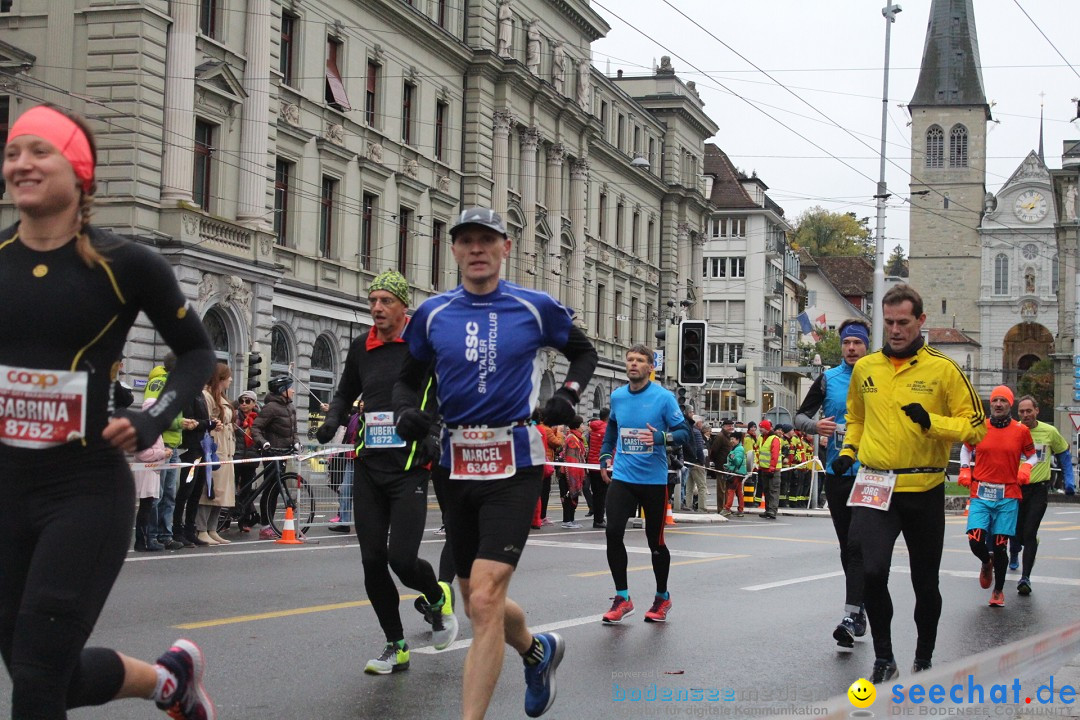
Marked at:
<point>274,489</point>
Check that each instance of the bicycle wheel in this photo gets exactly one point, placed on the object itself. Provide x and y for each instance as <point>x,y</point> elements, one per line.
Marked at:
<point>305,503</point>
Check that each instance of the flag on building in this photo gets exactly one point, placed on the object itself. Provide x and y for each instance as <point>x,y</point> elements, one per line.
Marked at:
<point>804,324</point>
<point>820,322</point>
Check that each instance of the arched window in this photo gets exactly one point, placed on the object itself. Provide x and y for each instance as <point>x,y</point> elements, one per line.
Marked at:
<point>1054,275</point>
<point>935,147</point>
<point>280,352</point>
<point>218,332</point>
<point>1001,275</point>
<point>958,146</point>
<point>321,384</point>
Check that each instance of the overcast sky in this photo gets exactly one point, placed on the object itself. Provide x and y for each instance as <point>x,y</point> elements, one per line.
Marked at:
<point>830,54</point>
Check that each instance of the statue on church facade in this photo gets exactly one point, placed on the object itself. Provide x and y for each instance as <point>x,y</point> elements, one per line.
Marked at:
<point>1069,205</point>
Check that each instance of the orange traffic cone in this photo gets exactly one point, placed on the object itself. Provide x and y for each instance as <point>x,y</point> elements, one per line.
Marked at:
<point>669,519</point>
<point>967,507</point>
<point>288,536</point>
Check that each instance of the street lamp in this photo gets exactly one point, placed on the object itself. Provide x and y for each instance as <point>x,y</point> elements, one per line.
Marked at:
<point>889,12</point>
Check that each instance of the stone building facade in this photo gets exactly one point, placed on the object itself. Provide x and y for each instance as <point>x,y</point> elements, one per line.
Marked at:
<point>280,153</point>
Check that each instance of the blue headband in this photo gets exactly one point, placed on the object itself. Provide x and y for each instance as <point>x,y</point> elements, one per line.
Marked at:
<point>858,332</point>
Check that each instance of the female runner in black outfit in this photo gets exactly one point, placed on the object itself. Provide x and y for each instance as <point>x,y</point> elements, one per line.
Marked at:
<point>69,293</point>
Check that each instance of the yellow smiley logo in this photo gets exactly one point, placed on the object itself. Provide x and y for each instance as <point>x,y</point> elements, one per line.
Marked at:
<point>861,693</point>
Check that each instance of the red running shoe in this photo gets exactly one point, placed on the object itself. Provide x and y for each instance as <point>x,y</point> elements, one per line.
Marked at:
<point>620,608</point>
<point>659,610</point>
<point>986,575</point>
<point>997,599</point>
<point>188,699</point>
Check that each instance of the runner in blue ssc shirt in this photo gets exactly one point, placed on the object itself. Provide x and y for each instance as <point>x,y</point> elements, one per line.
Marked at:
<point>484,339</point>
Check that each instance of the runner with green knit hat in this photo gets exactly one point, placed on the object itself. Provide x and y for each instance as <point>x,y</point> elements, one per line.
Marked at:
<point>390,477</point>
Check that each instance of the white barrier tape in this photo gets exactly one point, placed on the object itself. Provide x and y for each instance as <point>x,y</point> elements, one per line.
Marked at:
<point>301,457</point>
<point>813,464</point>
<point>1031,658</point>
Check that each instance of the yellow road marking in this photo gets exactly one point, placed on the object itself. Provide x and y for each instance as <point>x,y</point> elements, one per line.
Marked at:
<point>649,567</point>
<point>753,537</point>
<point>278,614</point>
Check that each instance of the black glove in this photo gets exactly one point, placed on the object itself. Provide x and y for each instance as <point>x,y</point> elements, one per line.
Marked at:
<point>413,425</point>
<point>918,414</point>
<point>560,408</point>
<point>326,431</point>
<point>430,450</point>
<point>842,464</point>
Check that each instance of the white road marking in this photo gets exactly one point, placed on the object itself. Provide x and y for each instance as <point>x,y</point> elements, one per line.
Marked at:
<point>598,546</point>
<point>1039,579</point>
<point>228,552</point>
<point>793,581</point>
<point>550,627</point>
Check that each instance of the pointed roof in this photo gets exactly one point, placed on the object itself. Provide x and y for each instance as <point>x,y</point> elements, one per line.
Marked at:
<point>949,336</point>
<point>1042,156</point>
<point>850,275</point>
<point>951,73</point>
<point>1031,168</point>
<point>728,192</point>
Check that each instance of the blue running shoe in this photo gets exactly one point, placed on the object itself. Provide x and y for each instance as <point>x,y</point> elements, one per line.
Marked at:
<point>540,678</point>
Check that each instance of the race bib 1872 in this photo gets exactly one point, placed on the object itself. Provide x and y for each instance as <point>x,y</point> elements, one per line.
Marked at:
<point>380,432</point>
<point>41,408</point>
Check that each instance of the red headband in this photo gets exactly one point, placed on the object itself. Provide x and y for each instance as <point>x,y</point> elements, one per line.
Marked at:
<point>64,134</point>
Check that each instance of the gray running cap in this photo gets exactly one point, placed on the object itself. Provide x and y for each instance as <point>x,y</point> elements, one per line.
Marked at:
<point>484,217</point>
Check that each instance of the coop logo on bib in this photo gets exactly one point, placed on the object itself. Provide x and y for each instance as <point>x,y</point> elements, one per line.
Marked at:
<point>41,408</point>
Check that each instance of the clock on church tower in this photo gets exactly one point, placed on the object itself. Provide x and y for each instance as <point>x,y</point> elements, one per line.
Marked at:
<point>1030,206</point>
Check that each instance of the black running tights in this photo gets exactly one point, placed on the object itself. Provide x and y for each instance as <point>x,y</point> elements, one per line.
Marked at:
<point>837,489</point>
<point>56,575</point>
<point>920,516</point>
<point>623,499</point>
<point>1032,509</point>
<point>390,512</point>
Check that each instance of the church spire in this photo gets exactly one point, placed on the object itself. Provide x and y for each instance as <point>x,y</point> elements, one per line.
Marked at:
<point>1042,157</point>
<point>951,73</point>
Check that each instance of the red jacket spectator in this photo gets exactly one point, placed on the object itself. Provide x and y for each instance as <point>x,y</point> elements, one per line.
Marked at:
<point>597,428</point>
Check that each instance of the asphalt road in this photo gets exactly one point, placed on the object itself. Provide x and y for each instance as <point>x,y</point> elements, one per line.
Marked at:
<point>287,630</point>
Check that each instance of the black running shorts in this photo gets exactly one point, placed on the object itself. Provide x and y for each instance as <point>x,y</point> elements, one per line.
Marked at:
<point>488,519</point>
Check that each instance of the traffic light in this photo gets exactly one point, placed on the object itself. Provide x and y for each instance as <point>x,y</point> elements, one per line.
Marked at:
<point>692,344</point>
<point>740,380</point>
<point>254,370</point>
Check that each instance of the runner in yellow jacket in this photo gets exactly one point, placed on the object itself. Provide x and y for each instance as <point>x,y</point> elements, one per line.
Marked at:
<point>907,404</point>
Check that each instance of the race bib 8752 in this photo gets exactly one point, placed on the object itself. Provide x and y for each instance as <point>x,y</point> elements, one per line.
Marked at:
<point>41,408</point>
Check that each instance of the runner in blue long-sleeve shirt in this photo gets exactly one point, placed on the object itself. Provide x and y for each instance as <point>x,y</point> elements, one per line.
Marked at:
<point>645,420</point>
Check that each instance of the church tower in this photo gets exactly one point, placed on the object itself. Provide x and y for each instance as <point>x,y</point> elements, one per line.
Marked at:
<point>949,116</point>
